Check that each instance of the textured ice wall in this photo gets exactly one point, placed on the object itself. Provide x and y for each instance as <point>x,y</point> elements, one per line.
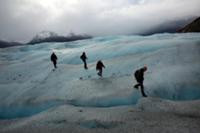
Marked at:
<point>26,76</point>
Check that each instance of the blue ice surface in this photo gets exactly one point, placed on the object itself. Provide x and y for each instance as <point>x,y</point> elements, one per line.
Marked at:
<point>108,101</point>
<point>130,45</point>
<point>12,112</point>
<point>180,94</point>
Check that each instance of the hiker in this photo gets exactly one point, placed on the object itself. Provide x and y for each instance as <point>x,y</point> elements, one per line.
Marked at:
<point>99,67</point>
<point>84,58</point>
<point>139,76</point>
<point>54,59</point>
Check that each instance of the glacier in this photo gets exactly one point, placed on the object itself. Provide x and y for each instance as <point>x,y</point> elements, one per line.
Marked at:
<point>30,89</point>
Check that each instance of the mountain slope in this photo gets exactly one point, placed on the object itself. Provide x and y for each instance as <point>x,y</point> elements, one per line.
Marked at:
<point>47,36</point>
<point>4,44</point>
<point>168,27</point>
<point>192,27</point>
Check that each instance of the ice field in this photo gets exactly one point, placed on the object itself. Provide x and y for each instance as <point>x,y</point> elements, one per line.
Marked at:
<point>76,100</point>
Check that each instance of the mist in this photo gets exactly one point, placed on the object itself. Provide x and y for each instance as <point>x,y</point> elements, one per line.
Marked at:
<point>20,20</point>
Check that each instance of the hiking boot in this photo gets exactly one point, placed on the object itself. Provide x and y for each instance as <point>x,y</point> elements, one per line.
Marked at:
<point>136,86</point>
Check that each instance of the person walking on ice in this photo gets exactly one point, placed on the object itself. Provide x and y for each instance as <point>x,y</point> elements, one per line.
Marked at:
<point>99,67</point>
<point>54,59</point>
<point>84,58</point>
<point>139,76</point>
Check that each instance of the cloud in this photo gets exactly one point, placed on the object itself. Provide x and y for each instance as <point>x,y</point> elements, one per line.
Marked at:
<point>21,19</point>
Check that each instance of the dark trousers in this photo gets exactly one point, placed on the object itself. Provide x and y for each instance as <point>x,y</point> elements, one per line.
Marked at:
<point>100,72</point>
<point>85,65</point>
<point>54,63</point>
<point>140,83</point>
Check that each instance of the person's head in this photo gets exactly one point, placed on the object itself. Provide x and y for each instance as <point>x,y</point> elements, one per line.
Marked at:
<point>84,53</point>
<point>144,68</point>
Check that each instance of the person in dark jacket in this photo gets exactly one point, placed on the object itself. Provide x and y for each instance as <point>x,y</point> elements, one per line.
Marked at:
<point>54,59</point>
<point>139,76</point>
<point>99,67</point>
<point>84,58</point>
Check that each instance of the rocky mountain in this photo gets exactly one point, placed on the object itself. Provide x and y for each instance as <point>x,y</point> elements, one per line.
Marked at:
<point>5,44</point>
<point>47,36</point>
<point>168,27</point>
<point>194,26</point>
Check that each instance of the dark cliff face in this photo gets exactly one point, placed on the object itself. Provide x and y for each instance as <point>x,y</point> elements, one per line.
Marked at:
<point>192,27</point>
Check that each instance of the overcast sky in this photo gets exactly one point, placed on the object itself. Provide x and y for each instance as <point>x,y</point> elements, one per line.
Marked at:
<point>20,20</point>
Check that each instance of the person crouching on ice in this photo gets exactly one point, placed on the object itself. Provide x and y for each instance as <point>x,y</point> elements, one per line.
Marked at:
<point>139,76</point>
<point>54,59</point>
<point>99,67</point>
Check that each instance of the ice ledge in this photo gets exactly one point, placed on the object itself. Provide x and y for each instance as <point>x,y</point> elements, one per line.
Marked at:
<point>186,108</point>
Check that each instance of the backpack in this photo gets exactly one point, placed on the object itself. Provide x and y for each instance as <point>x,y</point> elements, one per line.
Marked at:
<point>137,74</point>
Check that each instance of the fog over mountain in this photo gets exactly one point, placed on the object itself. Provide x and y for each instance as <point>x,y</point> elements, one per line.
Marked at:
<point>22,19</point>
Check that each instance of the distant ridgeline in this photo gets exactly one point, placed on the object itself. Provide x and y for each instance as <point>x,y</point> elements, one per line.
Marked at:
<point>53,37</point>
<point>192,27</point>
<point>4,44</point>
<point>46,37</point>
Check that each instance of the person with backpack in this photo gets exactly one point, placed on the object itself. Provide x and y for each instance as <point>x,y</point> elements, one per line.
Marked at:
<point>83,57</point>
<point>99,67</point>
<point>139,76</point>
<point>54,59</point>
